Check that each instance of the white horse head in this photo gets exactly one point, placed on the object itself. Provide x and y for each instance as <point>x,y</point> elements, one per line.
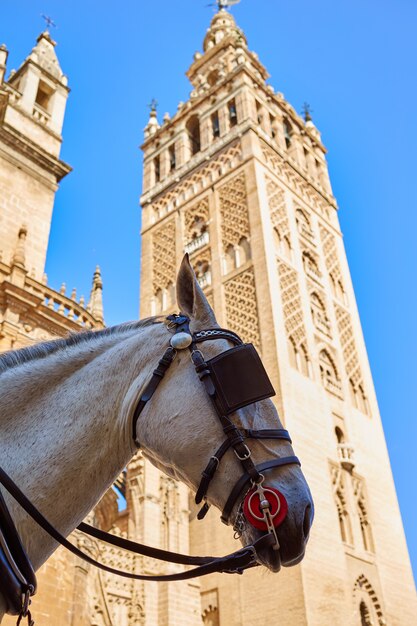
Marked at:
<point>66,413</point>
<point>198,434</point>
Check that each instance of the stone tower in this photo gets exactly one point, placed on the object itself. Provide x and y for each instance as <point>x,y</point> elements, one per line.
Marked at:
<point>239,180</point>
<point>32,107</point>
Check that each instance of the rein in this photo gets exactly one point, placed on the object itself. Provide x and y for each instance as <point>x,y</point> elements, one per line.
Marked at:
<point>233,379</point>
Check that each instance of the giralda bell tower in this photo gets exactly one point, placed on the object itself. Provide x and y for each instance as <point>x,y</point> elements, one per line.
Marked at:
<point>239,180</point>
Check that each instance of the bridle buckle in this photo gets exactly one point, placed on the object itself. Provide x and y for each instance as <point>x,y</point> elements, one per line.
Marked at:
<point>247,454</point>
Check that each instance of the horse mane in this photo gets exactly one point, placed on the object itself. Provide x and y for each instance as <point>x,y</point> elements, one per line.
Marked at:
<point>13,358</point>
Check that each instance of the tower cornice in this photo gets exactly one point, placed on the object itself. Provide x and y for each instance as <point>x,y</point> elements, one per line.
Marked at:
<point>31,63</point>
<point>198,161</point>
<point>32,151</point>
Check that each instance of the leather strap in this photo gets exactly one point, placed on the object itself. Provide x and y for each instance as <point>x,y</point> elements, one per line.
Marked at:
<point>243,481</point>
<point>157,376</point>
<point>139,548</point>
<point>232,563</point>
<point>210,469</point>
<point>216,333</point>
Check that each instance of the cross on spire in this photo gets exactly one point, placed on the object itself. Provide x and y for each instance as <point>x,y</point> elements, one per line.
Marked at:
<point>223,4</point>
<point>153,105</point>
<point>307,111</point>
<point>48,20</point>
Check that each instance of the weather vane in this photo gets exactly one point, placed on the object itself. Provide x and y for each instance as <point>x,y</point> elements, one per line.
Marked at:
<point>307,111</point>
<point>48,20</point>
<point>223,4</point>
<point>153,105</point>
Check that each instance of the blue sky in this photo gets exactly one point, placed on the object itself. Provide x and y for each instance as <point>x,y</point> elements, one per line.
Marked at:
<point>354,62</point>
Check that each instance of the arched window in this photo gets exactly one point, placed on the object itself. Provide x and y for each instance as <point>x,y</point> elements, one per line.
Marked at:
<point>203,274</point>
<point>172,157</point>
<point>310,265</point>
<point>328,373</point>
<point>259,113</point>
<point>157,168</point>
<point>230,258</point>
<point>198,227</point>
<point>170,296</point>
<point>298,356</point>
<point>193,130</point>
<point>287,133</point>
<point>353,392</point>
<point>213,78</point>
<point>340,291</point>
<point>211,616</point>
<point>362,400</point>
<point>303,224</point>
<point>281,244</point>
<point>244,252</point>
<point>232,113</point>
<point>365,614</point>
<point>277,240</point>
<point>358,397</point>
<point>339,435</point>
<point>159,301</point>
<point>369,610</point>
<point>292,353</point>
<point>215,125</point>
<point>318,313</point>
<point>303,362</point>
<point>344,518</point>
<point>366,531</point>
<point>333,284</point>
<point>286,248</point>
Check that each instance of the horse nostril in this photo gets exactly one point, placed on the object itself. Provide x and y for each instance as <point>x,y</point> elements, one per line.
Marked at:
<point>307,521</point>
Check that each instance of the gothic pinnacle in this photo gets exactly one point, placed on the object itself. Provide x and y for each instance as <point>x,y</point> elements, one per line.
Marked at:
<point>19,256</point>
<point>95,305</point>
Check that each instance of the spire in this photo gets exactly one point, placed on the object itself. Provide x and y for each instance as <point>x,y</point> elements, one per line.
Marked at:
<point>153,125</point>
<point>42,84</point>
<point>307,111</point>
<point>95,305</point>
<point>45,56</point>
<point>223,25</point>
<point>19,257</point>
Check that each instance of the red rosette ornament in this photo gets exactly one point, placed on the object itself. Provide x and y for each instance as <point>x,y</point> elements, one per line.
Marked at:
<point>278,507</point>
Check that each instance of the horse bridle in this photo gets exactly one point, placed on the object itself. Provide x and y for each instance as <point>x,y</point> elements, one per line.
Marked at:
<point>233,379</point>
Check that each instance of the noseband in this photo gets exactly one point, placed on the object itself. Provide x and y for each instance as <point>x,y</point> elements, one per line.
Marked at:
<point>233,379</point>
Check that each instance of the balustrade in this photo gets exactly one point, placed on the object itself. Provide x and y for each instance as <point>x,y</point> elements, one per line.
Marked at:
<point>333,385</point>
<point>197,242</point>
<point>204,280</point>
<point>61,304</point>
<point>40,114</point>
<point>14,94</point>
<point>346,452</point>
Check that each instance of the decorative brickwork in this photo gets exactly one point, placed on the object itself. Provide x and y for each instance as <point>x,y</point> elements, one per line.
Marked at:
<point>285,171</point>
<point>199,180</point>
<point>277,208</point>
<point>241,306</point>
<point>195,215</point>
<point>234,211</point>
<point>347,341</point>
<point>330,253</point>
<point>363,590</point>
<point>292,305</point>
<point>164,256</point>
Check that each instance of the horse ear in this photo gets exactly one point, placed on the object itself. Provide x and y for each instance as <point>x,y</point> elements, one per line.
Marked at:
<point>190,297</point>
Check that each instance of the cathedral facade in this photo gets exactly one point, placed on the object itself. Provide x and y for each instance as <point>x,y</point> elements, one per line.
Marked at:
<point>239,181</point>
